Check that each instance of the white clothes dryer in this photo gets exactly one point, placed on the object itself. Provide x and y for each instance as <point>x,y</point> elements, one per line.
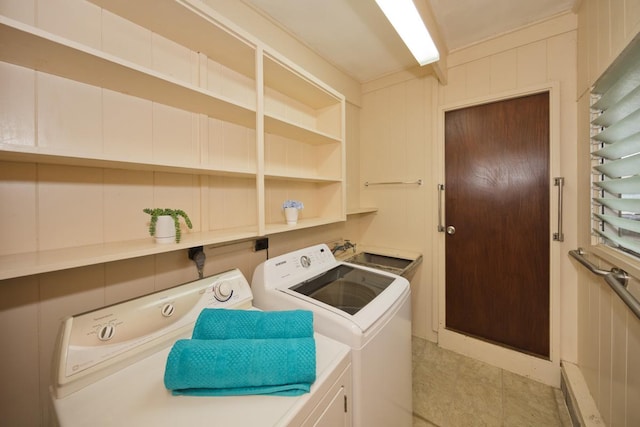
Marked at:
<point>367,309</point>
<point>109,366</point>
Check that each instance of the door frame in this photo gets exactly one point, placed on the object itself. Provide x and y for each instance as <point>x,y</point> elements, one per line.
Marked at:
<point>545,371</point>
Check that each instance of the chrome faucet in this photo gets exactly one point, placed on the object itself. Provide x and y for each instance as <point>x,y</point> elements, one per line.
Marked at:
<point>346,245</point>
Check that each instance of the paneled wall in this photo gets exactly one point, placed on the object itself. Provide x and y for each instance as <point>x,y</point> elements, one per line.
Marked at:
<point>37,198</point>
<point>608,333</point>
<point>396,145</point>
<point>605,27</point>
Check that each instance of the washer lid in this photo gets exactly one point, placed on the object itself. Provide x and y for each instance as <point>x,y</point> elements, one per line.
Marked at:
<point>344,287</point>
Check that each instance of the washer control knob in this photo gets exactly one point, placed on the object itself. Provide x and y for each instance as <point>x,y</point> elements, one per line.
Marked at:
<point>106,332</point>
<point>222,291</point>
<point>168,309</point>
<point>305,261</point>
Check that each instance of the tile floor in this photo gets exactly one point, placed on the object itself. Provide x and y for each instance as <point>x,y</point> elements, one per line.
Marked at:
<point>451,390</point>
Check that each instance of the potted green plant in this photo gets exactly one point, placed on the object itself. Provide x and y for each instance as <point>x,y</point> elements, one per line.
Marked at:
<point>165,224</point>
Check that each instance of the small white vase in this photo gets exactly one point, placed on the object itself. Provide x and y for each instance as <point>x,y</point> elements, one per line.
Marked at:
<point>165,229</point>
<point>291,215</point>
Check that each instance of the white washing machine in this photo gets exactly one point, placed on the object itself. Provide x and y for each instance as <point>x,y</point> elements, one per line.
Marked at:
<point>367,309</point>
<point>109,367</point>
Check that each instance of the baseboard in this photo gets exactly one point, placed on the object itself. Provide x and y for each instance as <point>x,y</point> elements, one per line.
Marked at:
<point>582,408</point>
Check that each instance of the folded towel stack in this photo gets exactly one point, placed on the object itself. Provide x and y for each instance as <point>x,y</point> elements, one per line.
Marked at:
<point>219,324</point>
<point>241,366</point>
<point>240,352</point>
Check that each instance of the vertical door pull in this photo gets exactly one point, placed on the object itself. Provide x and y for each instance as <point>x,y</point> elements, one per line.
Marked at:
<point>440,191</point>
<point>559,182</point>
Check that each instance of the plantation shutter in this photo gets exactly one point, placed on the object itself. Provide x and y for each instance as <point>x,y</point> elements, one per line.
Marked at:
<point>615,139</point>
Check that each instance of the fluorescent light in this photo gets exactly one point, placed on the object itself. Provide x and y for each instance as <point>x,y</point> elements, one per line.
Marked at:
<point>405,18</point>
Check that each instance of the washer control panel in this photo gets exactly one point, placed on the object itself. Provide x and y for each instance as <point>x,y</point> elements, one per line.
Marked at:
<point>93,341</point>
<point>299,265</point>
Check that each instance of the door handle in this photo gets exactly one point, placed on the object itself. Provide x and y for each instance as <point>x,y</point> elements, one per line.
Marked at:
<point>559,182</point>
<point>440,191</point>
<point>451,230</point>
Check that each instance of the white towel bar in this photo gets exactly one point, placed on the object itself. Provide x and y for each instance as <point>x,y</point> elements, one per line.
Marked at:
<point>417,181</point>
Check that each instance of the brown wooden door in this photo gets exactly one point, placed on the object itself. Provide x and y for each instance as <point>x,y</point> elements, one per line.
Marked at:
<point>497,192</point>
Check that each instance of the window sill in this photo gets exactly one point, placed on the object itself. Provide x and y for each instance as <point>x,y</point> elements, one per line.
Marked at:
<point>618,259</point>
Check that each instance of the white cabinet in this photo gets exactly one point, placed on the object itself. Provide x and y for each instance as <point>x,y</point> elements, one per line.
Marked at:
<point>332,413</point>
<point>334,410</point>
<point>177,108</point>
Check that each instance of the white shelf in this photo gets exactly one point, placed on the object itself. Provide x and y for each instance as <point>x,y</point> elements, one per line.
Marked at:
<point>192,24</point>
<point>16,265</point>
<point>361,211</point>
<point>302,223</point>
<point>33,48</point>
<point>291,130</point>
<point>282,77</point>
<point>301,178</point>
<point>22,153</point>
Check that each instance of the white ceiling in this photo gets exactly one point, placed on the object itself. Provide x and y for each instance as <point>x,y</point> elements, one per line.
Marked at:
<point>355,36</point>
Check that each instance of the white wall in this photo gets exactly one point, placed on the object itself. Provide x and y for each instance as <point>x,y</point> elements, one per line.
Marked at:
<point>396,145</point>
<point>608,333</point>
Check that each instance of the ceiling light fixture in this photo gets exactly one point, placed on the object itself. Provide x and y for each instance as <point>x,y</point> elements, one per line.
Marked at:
<point>405,18</point>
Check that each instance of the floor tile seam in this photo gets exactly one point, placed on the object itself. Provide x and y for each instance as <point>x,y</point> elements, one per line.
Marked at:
<point>518,404</point>
<point>457,381</point>
<point>419,416</point>
<point>418,356</point>
<point>483,380</point>
<point>502,415</point>
<point>520,409</point>
<point>561,407</point>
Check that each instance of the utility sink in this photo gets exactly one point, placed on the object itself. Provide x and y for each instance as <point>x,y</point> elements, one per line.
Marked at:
<point>392,264</point>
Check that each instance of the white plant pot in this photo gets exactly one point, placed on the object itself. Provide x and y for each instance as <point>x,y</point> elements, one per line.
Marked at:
<point>165,229</point>
<point>291,215</point>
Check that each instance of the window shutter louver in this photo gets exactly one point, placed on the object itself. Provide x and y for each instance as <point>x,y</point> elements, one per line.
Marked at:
<point>615,140</point>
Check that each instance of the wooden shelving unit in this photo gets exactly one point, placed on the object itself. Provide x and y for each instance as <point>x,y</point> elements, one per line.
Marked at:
<point>32,48</point>
<point>304,146</point>
<point>234,178</point>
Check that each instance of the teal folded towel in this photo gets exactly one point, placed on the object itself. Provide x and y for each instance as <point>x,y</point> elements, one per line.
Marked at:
<point>233,367</point>
<point>218,323</point>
